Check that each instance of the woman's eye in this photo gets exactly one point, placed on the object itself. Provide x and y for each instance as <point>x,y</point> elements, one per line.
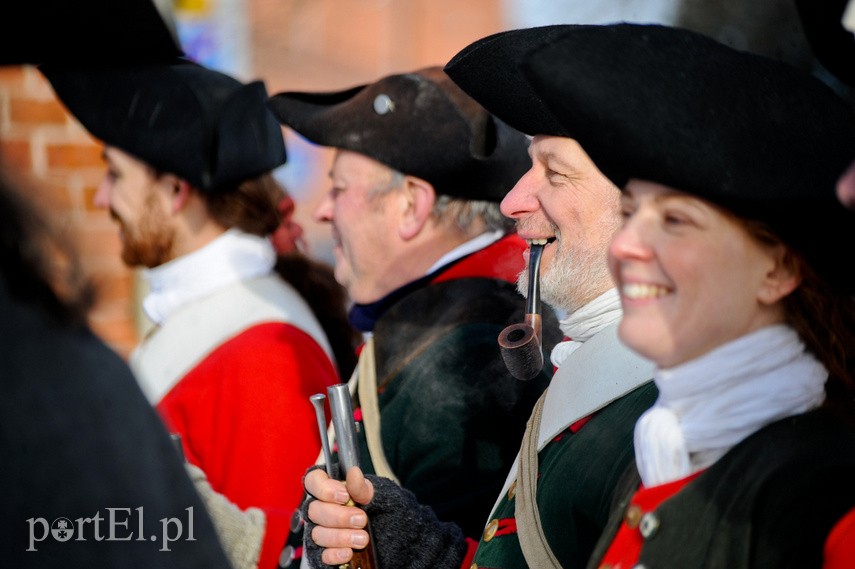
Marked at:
<point>626,209</point>
<point>675,219</point>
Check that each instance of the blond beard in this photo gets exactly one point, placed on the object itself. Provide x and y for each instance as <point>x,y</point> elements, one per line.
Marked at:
<point>150,243</point>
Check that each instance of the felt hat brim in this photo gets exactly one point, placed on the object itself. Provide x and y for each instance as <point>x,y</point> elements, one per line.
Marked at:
<point>419,124</point>
<point>183,118</point>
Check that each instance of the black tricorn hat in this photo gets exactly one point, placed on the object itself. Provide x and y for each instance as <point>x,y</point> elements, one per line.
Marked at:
<point>85,31</point>
<point>754,135</point>
<point>180,117</point>
<point>420,124</point>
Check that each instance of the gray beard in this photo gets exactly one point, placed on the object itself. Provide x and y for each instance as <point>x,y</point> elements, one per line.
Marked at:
<point>572,281</point>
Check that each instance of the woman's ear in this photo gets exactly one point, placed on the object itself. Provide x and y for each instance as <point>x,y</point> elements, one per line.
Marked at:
<point>418,197</point>
<point>181,190</point>
<point>783,278</point>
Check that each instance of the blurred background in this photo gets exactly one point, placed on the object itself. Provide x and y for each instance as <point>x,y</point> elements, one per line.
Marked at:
<point>320,45</point>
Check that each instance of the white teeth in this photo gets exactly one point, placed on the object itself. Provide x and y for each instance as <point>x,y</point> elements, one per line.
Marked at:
<point>637,291</point>
<point>536,241</point>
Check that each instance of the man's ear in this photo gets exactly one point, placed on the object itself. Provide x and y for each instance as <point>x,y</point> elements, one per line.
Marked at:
<point>783,277</point>
<point>417,199</point>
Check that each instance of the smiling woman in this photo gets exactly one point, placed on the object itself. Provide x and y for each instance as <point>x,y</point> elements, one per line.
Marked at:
<point>730,283</point>
<point>669,261</point>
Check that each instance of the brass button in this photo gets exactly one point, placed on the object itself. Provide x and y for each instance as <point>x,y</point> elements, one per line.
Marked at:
<point>491,529</point>
<point>648,525</point>
<point>473,566</point>
<point>512,491</point>
<point>633,516</point>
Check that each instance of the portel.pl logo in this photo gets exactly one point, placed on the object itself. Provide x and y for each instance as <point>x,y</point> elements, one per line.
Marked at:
<point>117,524</point>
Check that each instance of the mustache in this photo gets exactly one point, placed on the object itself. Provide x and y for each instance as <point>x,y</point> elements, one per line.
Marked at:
<point>530,226</point>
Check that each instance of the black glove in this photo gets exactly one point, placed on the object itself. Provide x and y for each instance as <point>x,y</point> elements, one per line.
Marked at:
<point>405,533</point>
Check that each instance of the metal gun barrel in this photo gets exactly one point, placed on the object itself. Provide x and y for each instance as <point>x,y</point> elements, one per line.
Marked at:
<point>345,427</point>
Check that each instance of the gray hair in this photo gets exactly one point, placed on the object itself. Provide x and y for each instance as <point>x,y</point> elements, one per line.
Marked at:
<point>468,216</point>
<point>465,213</point>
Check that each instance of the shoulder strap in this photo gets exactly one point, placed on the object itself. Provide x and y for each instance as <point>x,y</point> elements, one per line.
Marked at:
<point>533,542</point>
<point>367,389</point>
<point>171,352</point>
<point>601,371</point>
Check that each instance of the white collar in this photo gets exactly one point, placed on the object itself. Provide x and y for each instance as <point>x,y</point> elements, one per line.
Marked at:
<point>231,257</point>
<point>585,323</point>
<point>708,405</point>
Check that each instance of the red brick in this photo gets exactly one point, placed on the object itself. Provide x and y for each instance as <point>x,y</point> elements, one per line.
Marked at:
<point>12,74</point>
<point>17,154</point>
<point>29,111</point>
<point>81,155</point>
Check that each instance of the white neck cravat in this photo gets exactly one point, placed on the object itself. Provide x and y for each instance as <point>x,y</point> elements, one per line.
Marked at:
<point>708,405</point>
<point>231,257</point>
<point>585,322</point>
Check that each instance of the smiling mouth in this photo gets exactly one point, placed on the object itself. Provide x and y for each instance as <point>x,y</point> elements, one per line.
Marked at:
<point>540,241</point>
<point>638,291</point>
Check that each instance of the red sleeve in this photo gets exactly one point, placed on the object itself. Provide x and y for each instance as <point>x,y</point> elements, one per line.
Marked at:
<point>840,544</point>
<point>246,420</point>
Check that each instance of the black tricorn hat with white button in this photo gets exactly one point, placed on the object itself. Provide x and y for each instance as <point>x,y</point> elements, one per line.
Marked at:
<point>418,123</point>
<point>179,117</point>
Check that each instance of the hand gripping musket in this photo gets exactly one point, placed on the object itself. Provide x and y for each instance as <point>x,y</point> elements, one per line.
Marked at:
<point>348,456</point>
<point>521,344</point>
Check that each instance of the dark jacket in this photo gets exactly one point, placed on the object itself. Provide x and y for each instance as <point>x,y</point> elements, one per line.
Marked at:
<point>573,515</point>
<point>79,440</point>
<point>452,416</point>
<point>769,502</point>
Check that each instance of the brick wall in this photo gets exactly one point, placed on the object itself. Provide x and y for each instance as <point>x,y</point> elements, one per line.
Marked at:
<point>38,138</point>
<point>294,45</point>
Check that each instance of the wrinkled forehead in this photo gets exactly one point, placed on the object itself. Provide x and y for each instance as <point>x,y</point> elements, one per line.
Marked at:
<point>350,166</point>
